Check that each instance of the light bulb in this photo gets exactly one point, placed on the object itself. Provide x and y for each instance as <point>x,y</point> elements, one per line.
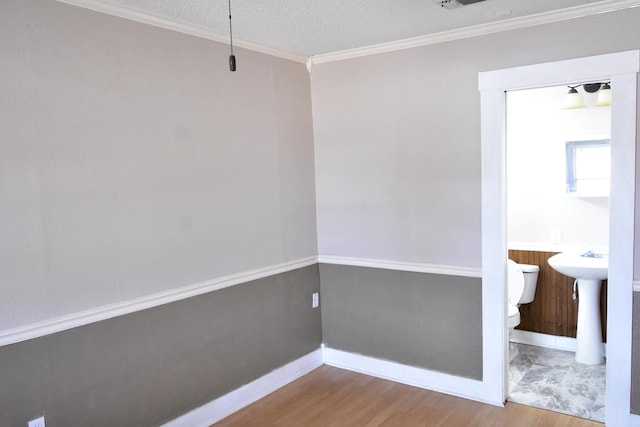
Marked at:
<point>572,99</point>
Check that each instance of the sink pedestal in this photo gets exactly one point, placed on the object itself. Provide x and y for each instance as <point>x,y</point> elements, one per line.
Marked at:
<point>590,269</point>
<point>589,349</point>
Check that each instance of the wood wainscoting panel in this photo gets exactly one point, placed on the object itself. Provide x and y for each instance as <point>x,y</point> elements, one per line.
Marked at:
<point>553,311</point>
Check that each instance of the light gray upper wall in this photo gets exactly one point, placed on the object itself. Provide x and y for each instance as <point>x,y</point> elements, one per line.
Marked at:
<point>398,138</point>
<point>132,161</point>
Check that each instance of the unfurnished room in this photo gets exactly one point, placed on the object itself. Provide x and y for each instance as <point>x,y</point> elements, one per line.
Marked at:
<point>319,213</point>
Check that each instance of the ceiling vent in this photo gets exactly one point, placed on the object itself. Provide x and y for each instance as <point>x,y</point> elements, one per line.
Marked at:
<point>453,4</point>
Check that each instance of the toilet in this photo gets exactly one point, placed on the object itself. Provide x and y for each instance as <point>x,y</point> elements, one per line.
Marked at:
<point>521,289</point>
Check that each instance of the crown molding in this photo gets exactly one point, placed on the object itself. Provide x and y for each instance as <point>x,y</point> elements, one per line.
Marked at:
<point>149,18</point>
<point>479,30</point>
<point>474,31</point>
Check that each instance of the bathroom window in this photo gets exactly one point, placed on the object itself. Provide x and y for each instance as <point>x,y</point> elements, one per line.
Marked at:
<point>589,168</point>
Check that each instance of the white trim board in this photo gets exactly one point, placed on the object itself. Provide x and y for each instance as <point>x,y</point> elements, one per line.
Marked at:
<point>552,247</point>
<point>573,70</point>
<point>62,323</point>
<point>636,285</point>
<point>543,340</point>
<point>73,320</point>
<point>480,30</point>
<point>146,17</point>
<point>410,375</point>
<point>621,68</point>
<point>546,340</point>
<point>214,411</point>
<point>635,420</point>
<point>417,267</point>
<point>235,400</point>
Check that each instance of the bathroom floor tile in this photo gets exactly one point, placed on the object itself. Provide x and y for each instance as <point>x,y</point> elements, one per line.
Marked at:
<point>551,379</point>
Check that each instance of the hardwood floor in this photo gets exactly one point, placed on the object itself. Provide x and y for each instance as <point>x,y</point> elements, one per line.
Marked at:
<point>331,397</point>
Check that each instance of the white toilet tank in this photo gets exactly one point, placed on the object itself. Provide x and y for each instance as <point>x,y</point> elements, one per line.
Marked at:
<point>530,273</point>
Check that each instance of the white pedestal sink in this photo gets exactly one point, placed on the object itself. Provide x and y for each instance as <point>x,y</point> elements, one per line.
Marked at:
<point>590,270</point>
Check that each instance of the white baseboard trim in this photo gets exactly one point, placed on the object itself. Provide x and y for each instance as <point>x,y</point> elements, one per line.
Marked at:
<point>635,420</point>
<point>636,285</point>
<point>73,320</point>
<point>545,340</point>
<point>410,375</point>
<point>226,405</point>
<point>449,270</point>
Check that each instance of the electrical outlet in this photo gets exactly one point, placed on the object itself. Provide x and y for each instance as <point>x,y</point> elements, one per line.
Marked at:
<point>315,300</point>
<point>39,422</point>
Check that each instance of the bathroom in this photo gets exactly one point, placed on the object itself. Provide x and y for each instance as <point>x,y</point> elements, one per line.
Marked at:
<point>558,170</point>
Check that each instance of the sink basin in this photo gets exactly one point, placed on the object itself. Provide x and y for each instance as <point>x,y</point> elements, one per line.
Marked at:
<point>580,267</point>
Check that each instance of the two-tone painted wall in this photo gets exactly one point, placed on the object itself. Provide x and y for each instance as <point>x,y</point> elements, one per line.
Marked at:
<point>397,139</point>
<point>152,366</point>
<point>125,147</point>
<point>136,168</point>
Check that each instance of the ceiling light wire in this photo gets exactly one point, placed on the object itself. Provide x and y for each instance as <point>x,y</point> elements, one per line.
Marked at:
<point>232,57</point>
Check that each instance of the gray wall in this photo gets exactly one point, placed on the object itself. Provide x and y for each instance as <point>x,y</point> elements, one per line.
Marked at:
<point>133,162</point>
<point>635,368</point>
<point>154,365</point>
<point>425,320</point>
<point>397,140</point>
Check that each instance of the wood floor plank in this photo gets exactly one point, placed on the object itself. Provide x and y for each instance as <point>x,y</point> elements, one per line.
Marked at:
<point>332,397</point>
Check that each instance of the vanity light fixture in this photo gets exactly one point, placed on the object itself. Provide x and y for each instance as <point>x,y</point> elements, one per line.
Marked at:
<point>573,99</point>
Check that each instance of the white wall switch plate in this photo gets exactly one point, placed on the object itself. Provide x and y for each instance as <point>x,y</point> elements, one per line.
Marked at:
<point>39,422</point>
<point>315,300</point>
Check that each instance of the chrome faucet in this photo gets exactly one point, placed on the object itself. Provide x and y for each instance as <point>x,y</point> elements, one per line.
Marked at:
<point>591,254</point>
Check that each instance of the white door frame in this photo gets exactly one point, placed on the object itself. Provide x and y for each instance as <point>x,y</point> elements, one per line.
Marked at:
<point>621,69</point>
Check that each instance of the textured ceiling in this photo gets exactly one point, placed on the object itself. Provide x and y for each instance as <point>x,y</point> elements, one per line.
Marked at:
<point>311,27</point>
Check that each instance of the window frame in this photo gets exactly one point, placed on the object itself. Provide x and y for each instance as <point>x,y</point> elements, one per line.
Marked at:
<point>571,147</point>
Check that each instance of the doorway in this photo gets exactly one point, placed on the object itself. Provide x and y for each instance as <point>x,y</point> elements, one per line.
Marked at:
<point>557,182</point>
<point>621,69</point>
